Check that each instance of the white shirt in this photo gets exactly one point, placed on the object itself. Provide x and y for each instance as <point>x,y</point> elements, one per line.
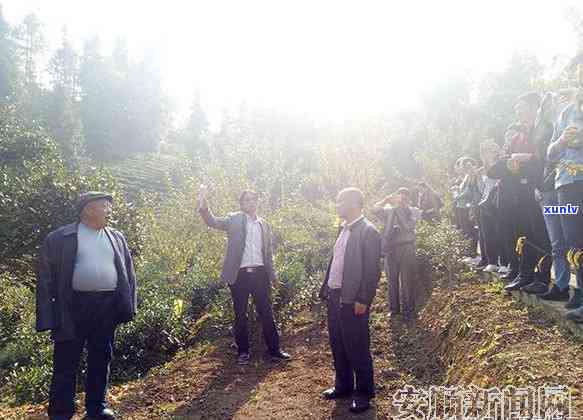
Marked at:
<point>252,254</point>
<point>95,262</point>
<point>336,274</point>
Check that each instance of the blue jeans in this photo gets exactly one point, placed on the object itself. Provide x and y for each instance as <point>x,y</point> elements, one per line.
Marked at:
<point>573,224</point>
<point>558,243</point>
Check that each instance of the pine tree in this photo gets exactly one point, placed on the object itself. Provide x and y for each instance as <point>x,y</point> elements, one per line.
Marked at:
<point>9,75</point>
<point>195,133</point>
<point>31,44</point>
<point>96,108</point>
<point>148,106</point>
<point>64,120</point>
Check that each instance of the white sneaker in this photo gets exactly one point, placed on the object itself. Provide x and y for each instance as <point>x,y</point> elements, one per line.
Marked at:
<point>491,268</point>
<point>476,260</point>
<point>503,269</point>
<point>467,260</point>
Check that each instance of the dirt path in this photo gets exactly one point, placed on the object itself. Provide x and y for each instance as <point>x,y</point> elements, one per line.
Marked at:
<point>470,335</point>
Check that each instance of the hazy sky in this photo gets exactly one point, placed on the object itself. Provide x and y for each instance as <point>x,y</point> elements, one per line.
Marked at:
<point>333,58</point>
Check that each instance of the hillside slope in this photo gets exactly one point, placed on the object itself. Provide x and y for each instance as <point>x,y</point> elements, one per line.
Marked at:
<point>470,335</point>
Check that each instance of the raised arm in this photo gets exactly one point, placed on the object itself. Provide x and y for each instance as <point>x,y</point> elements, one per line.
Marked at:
<point>560,141</point>
<point>221,223</point>
<point>379,208</point>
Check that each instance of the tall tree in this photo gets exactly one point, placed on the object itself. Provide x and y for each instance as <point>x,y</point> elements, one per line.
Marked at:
<point>63,68</point>
<point>32,43</point>
<point>194,137</point>
<point>148,108</point>
<point>9,73</point>
<point>498,91</point>
<point>123,106</point>
<point>63,119</point>
<point>96,109</point>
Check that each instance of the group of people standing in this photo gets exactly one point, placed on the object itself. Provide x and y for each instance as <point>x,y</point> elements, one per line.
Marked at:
<point>524,204</point>
<point>349,285</point>
<point>86,287</point>
<point>512,206</point>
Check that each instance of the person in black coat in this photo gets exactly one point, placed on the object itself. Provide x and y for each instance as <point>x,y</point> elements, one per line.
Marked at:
<point>86,286</point>
<point>520,173</point>
<point>349,288</point>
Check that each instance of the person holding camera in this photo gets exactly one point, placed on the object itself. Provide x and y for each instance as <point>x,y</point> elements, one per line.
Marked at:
<point>398,248</point>
<point>520,173</point>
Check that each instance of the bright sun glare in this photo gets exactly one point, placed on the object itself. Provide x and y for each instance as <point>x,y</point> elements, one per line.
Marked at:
<point>330,58</point>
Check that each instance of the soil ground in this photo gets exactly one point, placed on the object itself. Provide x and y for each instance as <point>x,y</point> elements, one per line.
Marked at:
<point>472,334</point>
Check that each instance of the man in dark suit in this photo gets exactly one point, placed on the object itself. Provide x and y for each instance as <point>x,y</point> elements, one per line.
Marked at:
<point>349,287</point>
<point>86,286</point>
<point>248,270</point>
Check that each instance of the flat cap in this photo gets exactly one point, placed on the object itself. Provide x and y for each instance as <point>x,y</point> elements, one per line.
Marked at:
<point>91,196</point>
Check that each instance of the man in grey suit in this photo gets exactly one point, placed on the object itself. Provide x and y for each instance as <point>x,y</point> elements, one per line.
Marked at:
<point>248,270</point>
<point>349,287</point>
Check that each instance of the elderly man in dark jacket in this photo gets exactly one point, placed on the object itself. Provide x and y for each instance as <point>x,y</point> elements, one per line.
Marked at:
<point>349,287</point>
<point>86,286</point>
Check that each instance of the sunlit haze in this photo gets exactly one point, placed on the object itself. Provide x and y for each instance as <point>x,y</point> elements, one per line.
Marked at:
<point>329,58</point>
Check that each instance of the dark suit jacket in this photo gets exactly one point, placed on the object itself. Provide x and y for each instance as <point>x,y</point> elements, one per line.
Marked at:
<point>54,290</point>
<point>361,270</point>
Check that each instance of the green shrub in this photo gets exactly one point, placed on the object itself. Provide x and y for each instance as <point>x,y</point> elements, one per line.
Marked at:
<point>151,338</point>
<point>29,383</point>
<point>442,246</point>
<point>17,302</point>
<point>304,234</point>
<point>25,360</point>
<point>180,297</point>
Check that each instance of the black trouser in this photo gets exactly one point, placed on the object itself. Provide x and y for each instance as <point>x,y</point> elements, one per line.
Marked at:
<point>350,343</point>
<point>509,218</point>
<point>490,243</point>
<point>95,321</point>
<point>258,285</point>
<point>400,267</point>
<point>468,227</point>
<point>522,217</point>
<point>573,224</point>
<point>532,225</point>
